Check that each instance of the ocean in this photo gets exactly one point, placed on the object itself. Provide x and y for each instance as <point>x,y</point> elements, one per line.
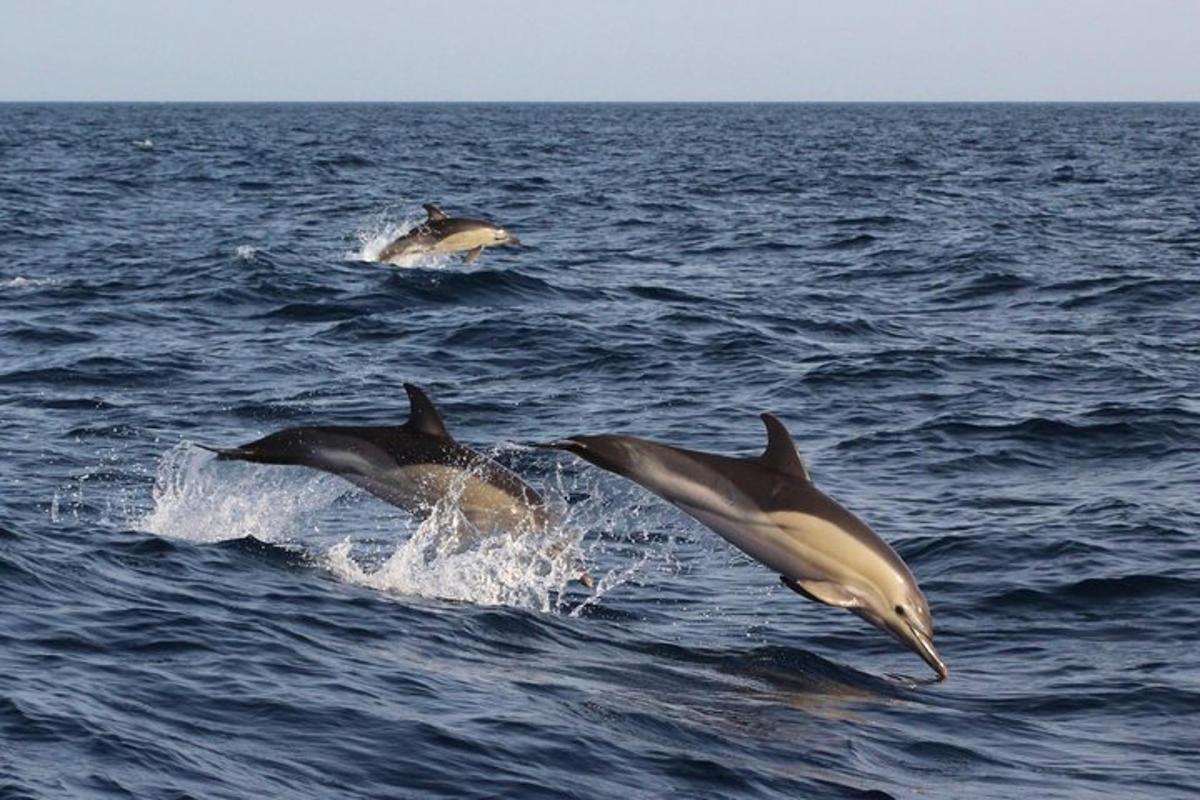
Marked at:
<point>981,323</point>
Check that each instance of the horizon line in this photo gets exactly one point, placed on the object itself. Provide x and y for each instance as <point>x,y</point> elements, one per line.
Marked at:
<point>1124,101</point>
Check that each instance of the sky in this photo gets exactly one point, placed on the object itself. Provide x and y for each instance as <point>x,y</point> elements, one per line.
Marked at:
<point>587,50</point>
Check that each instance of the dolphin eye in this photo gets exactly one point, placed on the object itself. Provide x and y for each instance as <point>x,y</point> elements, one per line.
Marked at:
<point>900,610</point>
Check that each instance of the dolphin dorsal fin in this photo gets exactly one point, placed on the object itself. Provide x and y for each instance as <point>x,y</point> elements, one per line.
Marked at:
<point>435,213</point>
<point>781,454</point>
<point>423,416</point>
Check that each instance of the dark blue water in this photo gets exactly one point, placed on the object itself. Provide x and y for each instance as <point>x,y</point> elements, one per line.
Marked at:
<point>982,324</point>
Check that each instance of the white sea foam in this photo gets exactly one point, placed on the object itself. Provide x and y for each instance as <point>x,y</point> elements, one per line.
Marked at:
<point>27,283</point>
<point>199,499</point>
<point>144,144</point>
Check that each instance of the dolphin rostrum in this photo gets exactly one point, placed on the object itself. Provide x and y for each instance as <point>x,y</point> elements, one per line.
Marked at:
<point>441,233</point>
<point>768,507</point>
<point>414,466</point>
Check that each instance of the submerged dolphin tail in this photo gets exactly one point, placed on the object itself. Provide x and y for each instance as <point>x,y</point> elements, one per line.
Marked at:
<point>423,416</point>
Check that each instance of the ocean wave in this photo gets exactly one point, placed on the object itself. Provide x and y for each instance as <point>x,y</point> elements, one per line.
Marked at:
<point>988,284</point>
<point>478,287</point>
<point>1141,294</point>
<point>1097,594</point>
<point>851,242</point>
<point>1116,433</point>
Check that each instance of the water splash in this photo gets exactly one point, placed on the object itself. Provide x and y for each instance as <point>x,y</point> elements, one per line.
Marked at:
<point>382,230</point>
<point>245,252</point>
<point>198,499</point>
<point>448,558</point>
<point>527,570</point>
<point>619,528</point>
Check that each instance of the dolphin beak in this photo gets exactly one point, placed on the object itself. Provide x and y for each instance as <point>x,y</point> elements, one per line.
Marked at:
<point>514,241</point>
<point>922,645</point>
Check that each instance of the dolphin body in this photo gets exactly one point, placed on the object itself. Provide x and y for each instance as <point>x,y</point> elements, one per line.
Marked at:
<point>441,233</point>
<point>768,507</point>
<point>412,466</point>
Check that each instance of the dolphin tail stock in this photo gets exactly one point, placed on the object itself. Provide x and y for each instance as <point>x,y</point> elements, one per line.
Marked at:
<point>570,445</point>
<point>598,450</point>
<point>231,453</point>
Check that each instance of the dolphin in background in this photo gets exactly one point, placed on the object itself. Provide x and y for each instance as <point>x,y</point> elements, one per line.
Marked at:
<point>768,507</point>
<point>413,466</point>
<point>441,233</point>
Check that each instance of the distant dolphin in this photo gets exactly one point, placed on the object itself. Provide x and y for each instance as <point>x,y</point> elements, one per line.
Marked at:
<point>768,507</point>
<point>440,233</point>
<point>413,466</point>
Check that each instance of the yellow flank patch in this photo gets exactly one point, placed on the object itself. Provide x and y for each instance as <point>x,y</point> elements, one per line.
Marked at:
<point>466,240</point>
<point>834,551</point>
<point>485,506</point>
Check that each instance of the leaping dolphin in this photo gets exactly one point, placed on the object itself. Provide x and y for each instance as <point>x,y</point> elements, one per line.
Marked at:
<point>414,466</point>
<point>768,507</point>
<point>441,233</point>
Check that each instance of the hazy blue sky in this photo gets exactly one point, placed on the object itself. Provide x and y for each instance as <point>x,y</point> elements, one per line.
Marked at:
<point>600,50</point>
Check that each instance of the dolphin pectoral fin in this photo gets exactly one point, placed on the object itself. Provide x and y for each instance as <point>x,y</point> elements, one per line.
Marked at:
<point>473,255</point>
<point>827,592</point>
